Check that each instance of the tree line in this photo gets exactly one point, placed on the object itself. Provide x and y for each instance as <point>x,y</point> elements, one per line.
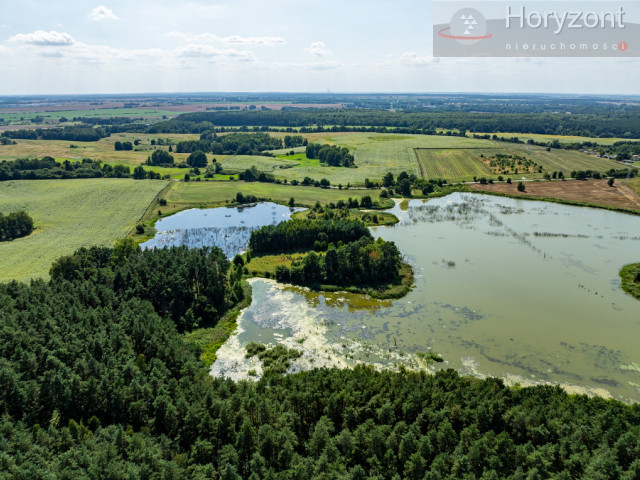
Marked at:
<point>74,133</point>
<point>47,168</point>
<point>15,225</point>
<point>253,175</point>
<point>616,123</point>
<point>96,382</point>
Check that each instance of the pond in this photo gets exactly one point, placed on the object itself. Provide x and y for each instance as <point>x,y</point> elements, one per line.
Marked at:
<point>522,290</point>
<point>227,228</point>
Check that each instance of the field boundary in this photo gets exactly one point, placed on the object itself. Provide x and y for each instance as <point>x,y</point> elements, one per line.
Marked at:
<point>562,201</point>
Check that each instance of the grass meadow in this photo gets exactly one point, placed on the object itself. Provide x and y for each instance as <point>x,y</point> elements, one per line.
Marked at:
<point>561,138</point>
<point>464,164</point>
<point>69,214</point>
<point>216,193</point>
<point>448,157</point>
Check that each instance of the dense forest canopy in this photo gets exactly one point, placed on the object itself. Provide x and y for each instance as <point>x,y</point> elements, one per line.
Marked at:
<point>301,234</point>
<point>192,287</point>
<point>617,123</point>
<point>95,382</point>
<point>363,262</point>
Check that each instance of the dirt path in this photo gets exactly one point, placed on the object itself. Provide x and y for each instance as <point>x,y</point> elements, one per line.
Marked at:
<point>630,194</point>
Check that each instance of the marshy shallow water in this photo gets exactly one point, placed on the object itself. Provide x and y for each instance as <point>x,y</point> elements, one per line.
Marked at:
<point>527,291</point>
<point>227,228</point>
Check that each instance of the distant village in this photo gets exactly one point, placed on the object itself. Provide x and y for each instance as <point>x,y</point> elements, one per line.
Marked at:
<point>632,160</point>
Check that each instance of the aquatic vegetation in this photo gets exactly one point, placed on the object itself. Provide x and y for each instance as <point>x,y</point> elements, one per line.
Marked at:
<point>630,275</point>
<point>274,360</point>
<point>635,367</point>
<point>508,325</point>
<point>430,357</point>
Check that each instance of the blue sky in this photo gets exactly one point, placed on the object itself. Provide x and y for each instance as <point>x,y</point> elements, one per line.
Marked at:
<point>81,46</point>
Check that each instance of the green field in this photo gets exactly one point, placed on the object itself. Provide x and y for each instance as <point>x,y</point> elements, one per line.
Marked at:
<point>457,164</point>
<point>302,160</point>
<point>375,155</point>
<point>211,193</point>
<point>464,164</point>
<point>561,138</point>
<point>452,158</point>
<point>69,214</point>
<point>432,156</point>
<point>262,163</point>
<point>101,150</point>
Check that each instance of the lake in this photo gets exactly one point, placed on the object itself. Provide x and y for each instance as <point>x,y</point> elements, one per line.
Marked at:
<point>227,228</point>
<point>523,290</point>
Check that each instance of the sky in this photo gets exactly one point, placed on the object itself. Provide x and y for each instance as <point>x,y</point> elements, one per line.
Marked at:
<point>135,46</point>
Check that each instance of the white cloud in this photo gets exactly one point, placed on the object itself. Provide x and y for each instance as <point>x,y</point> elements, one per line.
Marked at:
<point>319,49</point>
<point>260,41</point>
<point>44,39</point>
<point>412,59</point>
<point>62,47</point>
<point>323,65</point>
<point>207,51</point>
<point>101,13</point>
<point>229,40</point>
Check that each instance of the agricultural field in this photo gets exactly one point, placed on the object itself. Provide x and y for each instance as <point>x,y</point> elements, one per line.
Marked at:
<point>375,155</point>
<point>69,214</point>
<point>453,158</point>
<point>561,138</point>
<point>449,157</point>
<point>565,160</point>
<point>464,164</point>
<point>594,192</point>
<point>215,193</point>
<point>633,184</point>
<point>262,163</point>
<point>103,149</point>
<point>301,159</point>
<point>452,164</point>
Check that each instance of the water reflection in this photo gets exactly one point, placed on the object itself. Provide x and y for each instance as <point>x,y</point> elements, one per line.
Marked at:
<point>227,228</point>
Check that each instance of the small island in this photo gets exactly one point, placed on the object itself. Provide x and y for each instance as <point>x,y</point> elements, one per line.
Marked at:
<point>329,251</point>
<point>630,275</point>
